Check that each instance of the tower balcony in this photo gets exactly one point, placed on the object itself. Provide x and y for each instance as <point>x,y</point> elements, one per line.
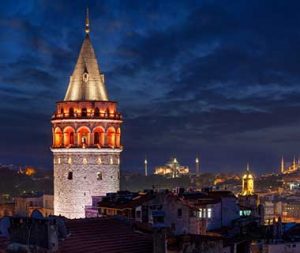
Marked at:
<point>85,146</point>
<point>86,110</point>
<point>88,115</point>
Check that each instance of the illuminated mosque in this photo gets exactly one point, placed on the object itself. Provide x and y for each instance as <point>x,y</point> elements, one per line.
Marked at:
<point>86,138</point>
<point>293,167</point>
<point>172,169</point>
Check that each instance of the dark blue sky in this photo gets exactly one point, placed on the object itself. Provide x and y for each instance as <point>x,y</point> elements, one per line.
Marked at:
<point>216,78</point>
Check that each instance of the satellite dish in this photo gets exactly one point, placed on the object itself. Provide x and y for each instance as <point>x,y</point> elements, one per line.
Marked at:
<point>4,226</point>
<point>36,214</point>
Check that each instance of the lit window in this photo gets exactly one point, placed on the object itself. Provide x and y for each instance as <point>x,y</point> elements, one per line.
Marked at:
<point>111,161</point>
<point>84,161</point>
<point>209,213</point>
<point>99,175</point>
<point>58,160</point>
<point>200,213</point>
<point>99,160</point>
<point>70,160</point>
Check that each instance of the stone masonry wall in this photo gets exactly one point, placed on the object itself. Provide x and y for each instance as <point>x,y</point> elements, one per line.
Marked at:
<point>72,195</point>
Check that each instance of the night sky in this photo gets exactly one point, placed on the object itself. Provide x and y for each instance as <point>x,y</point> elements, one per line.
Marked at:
<point>216,78</point>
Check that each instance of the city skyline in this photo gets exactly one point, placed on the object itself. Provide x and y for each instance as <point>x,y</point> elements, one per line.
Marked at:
<point>218,80</point>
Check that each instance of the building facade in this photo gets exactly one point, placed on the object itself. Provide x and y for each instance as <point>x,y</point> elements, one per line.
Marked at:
<point>86,138</point>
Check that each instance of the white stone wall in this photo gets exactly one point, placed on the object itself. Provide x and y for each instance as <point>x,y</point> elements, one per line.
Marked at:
<point>71,196</point>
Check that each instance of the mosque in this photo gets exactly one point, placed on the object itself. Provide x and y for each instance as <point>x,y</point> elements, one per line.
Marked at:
<point>172,169</point>
<point>291,168</point>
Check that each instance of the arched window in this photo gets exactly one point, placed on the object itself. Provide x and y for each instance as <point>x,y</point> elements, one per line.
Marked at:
<point>58,137</point>
<point>97,112</point>
<point>83,112</point>
<point>111,137</point>
<point>83,136</point>
<point>69,134</point>
<point>71,112</point>
<point>99,137</point>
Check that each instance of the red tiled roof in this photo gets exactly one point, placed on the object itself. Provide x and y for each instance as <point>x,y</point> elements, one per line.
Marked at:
<point>104,235</point>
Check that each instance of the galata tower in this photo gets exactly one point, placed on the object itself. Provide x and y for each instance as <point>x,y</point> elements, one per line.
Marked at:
<point>86,138</point>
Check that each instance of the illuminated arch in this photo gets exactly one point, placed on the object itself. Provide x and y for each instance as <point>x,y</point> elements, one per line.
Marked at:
<point>69,136</point>
<point>118,138</point>
<point>58,137</point>
<point>83,136</point>
<point>99,136</point>
<point>111,137</point>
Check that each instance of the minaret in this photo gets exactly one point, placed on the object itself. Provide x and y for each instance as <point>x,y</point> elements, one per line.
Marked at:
<point>197,163</point>
<point>294,164</point>
<point>86,138</point>
<point>146,166</point>
<point>282,165</point>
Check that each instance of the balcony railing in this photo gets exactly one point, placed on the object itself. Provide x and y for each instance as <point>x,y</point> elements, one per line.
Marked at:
<point>96,146</point>
<point>113,116</point>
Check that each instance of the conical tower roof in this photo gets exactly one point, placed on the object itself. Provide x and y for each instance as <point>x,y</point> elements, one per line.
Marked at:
<point>86,82</point>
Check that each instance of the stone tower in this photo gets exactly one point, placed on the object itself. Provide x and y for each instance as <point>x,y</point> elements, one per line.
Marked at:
<point>86,138</point>
<point>247,183</point>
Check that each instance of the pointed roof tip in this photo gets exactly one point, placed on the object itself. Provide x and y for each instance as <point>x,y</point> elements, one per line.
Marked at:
<point>87,22</point>
<point>248,168</point>
<point>86,82</point>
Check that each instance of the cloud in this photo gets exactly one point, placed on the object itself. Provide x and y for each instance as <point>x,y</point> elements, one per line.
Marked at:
<point>190,76</point>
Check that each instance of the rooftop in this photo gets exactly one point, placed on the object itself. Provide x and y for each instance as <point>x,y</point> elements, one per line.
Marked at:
<point>104,235</point>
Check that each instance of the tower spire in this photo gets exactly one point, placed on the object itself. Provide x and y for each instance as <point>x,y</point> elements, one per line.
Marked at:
<point>87,22</point>
<point>294,164</point>
<point>248,169</point>
<point>87,81</point>
<point>146,166</point>
<point>197,165</point>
